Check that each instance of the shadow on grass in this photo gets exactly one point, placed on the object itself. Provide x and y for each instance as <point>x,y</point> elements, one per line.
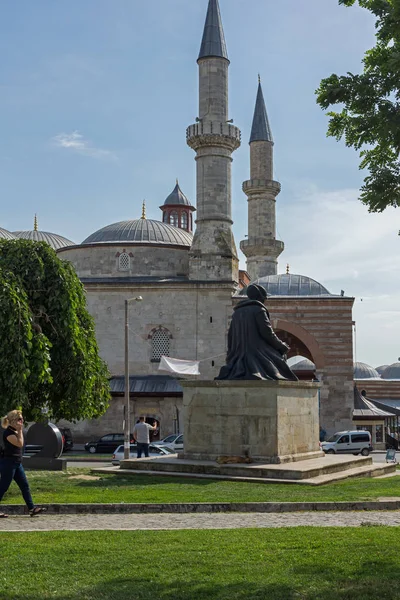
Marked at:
<point>140,589</point>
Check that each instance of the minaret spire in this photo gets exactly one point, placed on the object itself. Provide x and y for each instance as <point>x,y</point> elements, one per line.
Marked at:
<point>261,247</point>
<point>213,255</point>
<point>261,130</point>
<point>213,42</point>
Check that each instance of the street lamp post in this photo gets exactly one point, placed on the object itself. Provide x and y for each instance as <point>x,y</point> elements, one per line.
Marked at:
<point>127,432</point>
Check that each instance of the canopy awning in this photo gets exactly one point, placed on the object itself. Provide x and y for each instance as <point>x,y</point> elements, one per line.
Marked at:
<point>146,385</point>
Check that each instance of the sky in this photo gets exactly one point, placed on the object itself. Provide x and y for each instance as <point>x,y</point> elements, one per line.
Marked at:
<point>95,98</point>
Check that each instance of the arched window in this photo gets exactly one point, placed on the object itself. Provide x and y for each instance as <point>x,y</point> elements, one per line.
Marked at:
<point>184,220</point>
<point>124,262</point>
<point>191,222</point>
<point>174,219</point>
<point>160,343</point>
<point>165,217</point>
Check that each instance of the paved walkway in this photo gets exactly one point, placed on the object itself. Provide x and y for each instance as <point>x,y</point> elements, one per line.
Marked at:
<point>133,522</point>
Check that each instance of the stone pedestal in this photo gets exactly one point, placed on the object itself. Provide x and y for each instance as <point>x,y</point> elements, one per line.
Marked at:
<point>266,421</point>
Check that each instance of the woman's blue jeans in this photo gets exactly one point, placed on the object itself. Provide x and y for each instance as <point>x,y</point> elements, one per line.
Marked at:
<point>9,470</point>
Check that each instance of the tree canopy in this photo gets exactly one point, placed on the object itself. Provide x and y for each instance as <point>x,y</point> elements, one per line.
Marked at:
<point>370,118</point>
<point>49,358</point>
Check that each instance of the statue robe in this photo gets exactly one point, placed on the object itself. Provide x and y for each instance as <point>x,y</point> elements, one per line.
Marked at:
<point>254,351</point>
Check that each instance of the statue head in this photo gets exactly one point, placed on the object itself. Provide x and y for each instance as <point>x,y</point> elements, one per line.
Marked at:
<point>256,292</point>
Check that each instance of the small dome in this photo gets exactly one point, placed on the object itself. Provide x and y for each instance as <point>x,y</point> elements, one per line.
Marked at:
<point>141,231</point>
<point>6,235</point>
<point>381,369</point>
<point>392,372</point>
<point>364,371</point>
<point>54,240</point>
<point>287,284</point>
<point>177,197</point>
<point>303,365</point>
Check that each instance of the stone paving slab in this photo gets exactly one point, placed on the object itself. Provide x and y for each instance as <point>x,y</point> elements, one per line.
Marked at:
<point>197,521</point>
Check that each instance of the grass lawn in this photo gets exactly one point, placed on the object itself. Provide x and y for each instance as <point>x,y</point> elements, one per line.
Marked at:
<point>62,487</point>
<point>263,564</point>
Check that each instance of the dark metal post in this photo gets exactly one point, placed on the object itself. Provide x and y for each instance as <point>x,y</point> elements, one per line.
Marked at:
<point>127,433</point>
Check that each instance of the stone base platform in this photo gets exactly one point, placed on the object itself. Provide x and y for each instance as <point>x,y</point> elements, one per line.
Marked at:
<point>315,471</point>
<point>267,421</point>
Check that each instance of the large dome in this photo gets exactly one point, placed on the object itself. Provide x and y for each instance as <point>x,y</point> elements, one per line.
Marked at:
<point>141,231</point>
<point>381,369</point>
<point>54,240</point>
<point>6,235</point>
<point>287,284</point>
<point>303,365</point>
<point>392,372</point>
<point>364,371</point>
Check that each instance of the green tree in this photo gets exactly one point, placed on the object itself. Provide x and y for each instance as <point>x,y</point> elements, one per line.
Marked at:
<point>370,118</point>
<point>49,358</point>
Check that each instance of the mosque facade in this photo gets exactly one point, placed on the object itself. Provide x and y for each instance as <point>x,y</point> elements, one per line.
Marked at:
<point>185,267</point>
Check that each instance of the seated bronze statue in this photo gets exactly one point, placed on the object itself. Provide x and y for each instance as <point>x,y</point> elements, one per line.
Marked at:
<point>254,351</point>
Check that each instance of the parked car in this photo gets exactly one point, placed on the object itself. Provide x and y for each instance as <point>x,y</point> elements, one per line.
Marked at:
<point>68,443</point>
<point>153,450</point>
<point>176,445</point>
<point>170,439</point>
<point>348,442</point>
<point>107,443</point>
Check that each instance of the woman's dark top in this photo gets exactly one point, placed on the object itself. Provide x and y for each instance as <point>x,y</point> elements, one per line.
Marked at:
<point>11,451</point>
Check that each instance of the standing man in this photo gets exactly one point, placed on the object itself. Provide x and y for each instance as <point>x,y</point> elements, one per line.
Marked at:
<point>141,435</point>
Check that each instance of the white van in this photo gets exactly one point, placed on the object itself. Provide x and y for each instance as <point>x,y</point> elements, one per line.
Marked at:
<point>348,442</point>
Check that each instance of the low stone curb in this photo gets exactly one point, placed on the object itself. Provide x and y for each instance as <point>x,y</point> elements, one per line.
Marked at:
<point>211,507</point>
<point>88,458</point>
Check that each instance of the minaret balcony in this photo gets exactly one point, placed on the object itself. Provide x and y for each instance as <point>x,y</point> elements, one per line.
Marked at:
<point>213,133</point>
<point>257,186</point>
<point>262,247</point>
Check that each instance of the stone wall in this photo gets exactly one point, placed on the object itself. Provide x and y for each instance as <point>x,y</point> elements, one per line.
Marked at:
<point>146,261</point>
<point>324,328</point>
<point>377,389</point>
<point>162,409</point>
<point>196,315</point>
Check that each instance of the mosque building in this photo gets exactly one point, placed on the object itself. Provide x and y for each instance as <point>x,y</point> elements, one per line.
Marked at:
<point>185,267</point>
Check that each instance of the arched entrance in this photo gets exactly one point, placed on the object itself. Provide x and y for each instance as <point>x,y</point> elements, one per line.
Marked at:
<point>301,342</point>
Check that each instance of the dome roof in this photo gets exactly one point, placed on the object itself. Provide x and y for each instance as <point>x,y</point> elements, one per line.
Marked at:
<point>381,369</point>
<point>177,197</point>
<point>303,365</point>
<point>141,231</point>
<point>392,372</point>
<point>364,371</point>
<point>6,235</point>
<point>287,284</point>
<point>54,240</point>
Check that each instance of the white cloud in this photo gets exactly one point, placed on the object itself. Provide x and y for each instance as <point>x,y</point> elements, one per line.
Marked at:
<point>77,143</point>
<point>331,237</point>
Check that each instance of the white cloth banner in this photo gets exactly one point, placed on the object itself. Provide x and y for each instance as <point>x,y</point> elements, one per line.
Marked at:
<point>181,367</point>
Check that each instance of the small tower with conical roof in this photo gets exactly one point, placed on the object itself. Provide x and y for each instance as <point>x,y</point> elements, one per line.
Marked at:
<point>261,247</point>
<point>177,210</point>
<point>213,256</point>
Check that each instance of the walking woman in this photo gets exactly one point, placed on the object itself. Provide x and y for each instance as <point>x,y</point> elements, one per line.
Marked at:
<point>11,461</point>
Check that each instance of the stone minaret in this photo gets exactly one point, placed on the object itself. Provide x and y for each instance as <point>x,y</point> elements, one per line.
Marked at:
<point>261,248</point>
<point>213,255</point>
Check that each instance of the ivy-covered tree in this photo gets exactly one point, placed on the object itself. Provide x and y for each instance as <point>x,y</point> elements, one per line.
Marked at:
<point>370,118</point>
<point>49,358</point>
